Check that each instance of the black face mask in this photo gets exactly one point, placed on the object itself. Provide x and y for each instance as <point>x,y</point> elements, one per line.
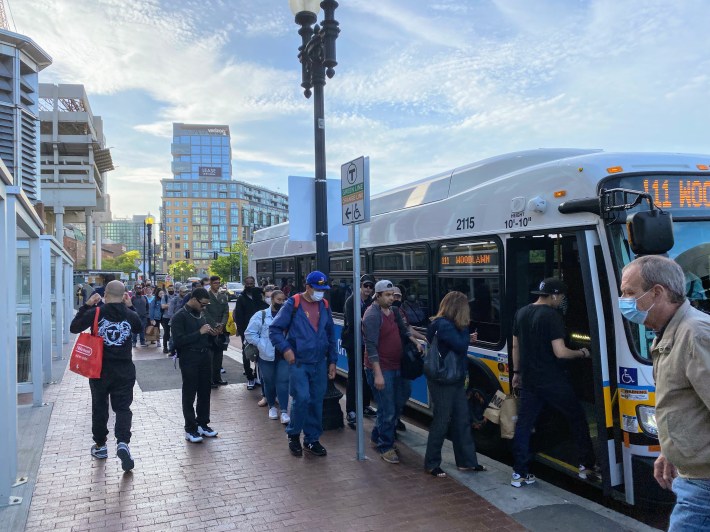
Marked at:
<point>171,292</point>
<point>396,303</point>
<point>277,306</point>
<point>139,292</point>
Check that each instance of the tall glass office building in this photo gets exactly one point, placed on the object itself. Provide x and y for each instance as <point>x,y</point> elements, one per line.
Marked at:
<point>204,209</point>
<point>201,151</point>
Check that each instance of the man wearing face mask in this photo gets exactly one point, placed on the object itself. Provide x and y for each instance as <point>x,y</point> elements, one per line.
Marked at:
<point>538,345</point>
<point>653,293</point>
<point>192,338</point>
<point>311,351</point>
<point>249,302</point>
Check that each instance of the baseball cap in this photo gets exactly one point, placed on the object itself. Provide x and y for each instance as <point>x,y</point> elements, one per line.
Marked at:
<point>550,286</point>
<point>383,285</point>
<point>183,289</point>
<point>317,280</point>
<point>367,278</point>
<point>397,291</point>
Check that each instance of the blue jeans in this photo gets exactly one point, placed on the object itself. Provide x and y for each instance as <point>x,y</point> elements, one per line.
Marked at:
<point>562,398</point>
<point>274,381</point>
<point>389,405</point>
<point>692,508</point>
<point>307,385</point>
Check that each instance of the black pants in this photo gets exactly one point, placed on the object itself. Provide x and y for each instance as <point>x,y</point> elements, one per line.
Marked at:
<point>217,357</point>
<point>450,415</point>
<point>165,322</point>
<point>561,397</point>
<point>248,371</point>
<point>116,382</point>
<point>196,369</point>
<point>350,393</point>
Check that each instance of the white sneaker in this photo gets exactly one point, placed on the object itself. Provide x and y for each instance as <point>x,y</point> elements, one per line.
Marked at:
<point>518,480</point>
<point>273,413</point>
<point>285,419</point>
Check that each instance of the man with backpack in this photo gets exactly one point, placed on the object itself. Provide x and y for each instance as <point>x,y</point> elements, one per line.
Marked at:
<point>303,331</point>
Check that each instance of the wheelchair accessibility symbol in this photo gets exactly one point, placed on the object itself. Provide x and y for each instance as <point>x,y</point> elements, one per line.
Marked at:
<point>628,376</point>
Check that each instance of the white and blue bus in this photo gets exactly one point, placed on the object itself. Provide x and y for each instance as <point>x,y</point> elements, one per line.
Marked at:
<point>492,230</point>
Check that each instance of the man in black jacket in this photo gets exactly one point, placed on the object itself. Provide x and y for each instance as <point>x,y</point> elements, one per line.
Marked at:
<point>367,286</point>
<point>117,323</point>
<point>192,336</point>
<point>248,303</point>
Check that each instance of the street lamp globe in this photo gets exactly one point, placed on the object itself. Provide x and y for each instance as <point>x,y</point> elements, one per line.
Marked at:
<point>299,6</point>
<point>149,220</point>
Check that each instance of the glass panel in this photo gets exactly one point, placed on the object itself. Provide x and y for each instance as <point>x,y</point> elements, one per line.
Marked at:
<point>692,251</point>
<point>415,298</point>
<point>410,259</point>
<point>483,300</point>
<point>24,348</point>
<point>475,257</point>
<point>53,279</point>
<point>23,280</point>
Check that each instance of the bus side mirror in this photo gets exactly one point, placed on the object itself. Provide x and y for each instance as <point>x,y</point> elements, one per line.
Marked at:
<point>650,232</point>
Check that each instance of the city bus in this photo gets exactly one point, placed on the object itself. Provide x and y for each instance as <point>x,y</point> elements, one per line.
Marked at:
<point>493,230</point>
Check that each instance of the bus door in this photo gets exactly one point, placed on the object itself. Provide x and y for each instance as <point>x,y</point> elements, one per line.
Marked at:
<point>568,255</point>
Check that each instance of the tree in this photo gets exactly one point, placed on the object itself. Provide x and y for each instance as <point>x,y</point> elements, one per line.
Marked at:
<point>125,263</point>
<point>227,265</point>
<point>181,270</point>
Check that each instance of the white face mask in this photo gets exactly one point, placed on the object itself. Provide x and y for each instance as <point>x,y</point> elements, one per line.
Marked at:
<point>318,295</point>
<point>267,300</point>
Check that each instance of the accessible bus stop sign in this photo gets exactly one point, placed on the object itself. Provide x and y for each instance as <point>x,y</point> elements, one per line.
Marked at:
<point>355,191</point>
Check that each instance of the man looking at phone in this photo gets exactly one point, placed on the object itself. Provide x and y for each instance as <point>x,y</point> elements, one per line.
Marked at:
<point>192,336</point>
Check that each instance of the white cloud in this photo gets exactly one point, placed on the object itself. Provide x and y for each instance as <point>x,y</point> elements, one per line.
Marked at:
<point>419,88</point>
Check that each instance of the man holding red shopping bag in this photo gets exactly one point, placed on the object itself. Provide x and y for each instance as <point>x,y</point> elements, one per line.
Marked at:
<point>117,322</point>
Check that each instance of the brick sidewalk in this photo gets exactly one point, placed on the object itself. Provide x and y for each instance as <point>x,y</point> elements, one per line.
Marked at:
<point>243,480</point>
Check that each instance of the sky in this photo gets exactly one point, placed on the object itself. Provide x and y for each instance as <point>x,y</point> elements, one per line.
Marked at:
<point>421,86</point>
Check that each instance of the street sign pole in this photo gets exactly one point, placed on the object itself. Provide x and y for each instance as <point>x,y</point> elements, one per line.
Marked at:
<point>355,194</point>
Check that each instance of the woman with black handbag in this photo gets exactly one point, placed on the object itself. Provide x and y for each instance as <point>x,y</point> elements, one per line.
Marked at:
<point>448,332</point>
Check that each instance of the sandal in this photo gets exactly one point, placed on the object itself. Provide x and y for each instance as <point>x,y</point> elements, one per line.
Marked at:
<point>476,469</point>
<point>437,472</point>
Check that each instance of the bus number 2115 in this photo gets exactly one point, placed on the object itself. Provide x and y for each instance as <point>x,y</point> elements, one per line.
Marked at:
<point>462,224</point>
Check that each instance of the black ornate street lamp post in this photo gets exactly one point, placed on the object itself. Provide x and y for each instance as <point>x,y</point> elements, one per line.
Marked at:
<point>317,57</point>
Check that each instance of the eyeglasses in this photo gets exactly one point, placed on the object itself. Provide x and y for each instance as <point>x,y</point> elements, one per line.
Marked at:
<point>203,304</point>
<point>368,285</point>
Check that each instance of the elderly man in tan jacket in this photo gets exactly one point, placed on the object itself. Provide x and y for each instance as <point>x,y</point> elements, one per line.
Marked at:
<point>653,294</point>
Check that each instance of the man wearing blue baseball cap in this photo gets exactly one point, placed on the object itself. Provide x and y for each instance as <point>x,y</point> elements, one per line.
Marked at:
<point>303,332</point>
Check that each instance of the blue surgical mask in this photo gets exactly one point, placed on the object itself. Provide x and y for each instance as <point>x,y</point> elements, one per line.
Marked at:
<point>630,311</point>
<point>318,295</point>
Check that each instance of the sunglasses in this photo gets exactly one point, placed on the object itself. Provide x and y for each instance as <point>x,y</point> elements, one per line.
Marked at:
<point>368,285</point>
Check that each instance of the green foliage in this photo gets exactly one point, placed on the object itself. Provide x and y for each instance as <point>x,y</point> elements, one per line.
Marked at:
<point>181,270</point>
<point>125,263</point>
<point>227,265</point>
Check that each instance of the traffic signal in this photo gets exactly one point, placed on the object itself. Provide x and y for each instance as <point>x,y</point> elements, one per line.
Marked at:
<point>187,253</point>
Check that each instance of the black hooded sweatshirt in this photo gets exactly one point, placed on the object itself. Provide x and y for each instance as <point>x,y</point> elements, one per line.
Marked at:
<point>117,324</point>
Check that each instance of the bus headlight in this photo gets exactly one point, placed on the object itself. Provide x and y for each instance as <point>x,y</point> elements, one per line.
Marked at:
<point>647,420</point>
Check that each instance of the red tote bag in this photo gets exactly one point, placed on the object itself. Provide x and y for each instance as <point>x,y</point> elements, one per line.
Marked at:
<point>88,353</point>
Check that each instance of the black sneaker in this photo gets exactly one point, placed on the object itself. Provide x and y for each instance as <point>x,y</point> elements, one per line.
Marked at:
<point>205,430</point>
<point>401,426</point>
<point>99,451</point>
<point>124,453</point>
<point>316,448</point>
<point>193,437</point>
<point>351,420</point>
<point>368,411</point>
<point>294,445</point>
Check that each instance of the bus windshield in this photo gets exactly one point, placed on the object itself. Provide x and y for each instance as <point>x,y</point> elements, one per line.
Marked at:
<point>691,251</point>
<point>687,198</point>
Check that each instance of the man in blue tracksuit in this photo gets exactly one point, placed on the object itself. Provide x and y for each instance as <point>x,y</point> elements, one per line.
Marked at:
<point>303,332</point>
